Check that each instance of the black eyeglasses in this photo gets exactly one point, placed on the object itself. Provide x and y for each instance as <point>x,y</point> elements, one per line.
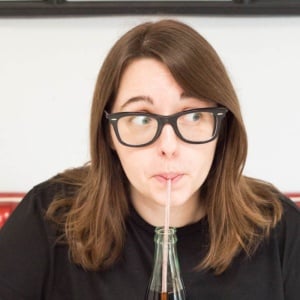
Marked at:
<point>194,126</point>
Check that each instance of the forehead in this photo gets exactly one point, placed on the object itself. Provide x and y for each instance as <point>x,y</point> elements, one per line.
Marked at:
<point>149,81</point>
<point>146,78</point>
<point>142,69</point>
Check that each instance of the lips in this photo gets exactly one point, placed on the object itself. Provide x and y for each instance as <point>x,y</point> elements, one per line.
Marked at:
<point>168,176</point>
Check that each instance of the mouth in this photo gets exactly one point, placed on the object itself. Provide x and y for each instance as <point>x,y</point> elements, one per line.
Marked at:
<point>164,177</point>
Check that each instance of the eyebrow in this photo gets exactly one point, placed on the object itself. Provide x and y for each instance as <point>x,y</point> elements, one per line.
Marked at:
<point>149,100</point>
<point>137,99</point>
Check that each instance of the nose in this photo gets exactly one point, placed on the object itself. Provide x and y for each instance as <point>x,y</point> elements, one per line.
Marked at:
<point>168,142</point>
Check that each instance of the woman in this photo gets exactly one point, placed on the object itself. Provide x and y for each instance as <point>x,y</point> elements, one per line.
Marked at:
<point>164,110</point>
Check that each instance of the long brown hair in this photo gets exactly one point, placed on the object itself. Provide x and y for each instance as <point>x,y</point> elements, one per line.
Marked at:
<point>241,211</point>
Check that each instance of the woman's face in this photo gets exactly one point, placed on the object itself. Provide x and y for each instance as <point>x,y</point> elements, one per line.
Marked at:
<point>148,86</point>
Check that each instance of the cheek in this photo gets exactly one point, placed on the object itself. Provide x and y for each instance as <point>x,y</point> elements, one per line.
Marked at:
<point>204,158</point>
<point>133,162</point>
<point>129,163</point>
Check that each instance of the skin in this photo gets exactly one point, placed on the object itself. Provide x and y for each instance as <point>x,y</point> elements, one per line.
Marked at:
<point>148,86</point>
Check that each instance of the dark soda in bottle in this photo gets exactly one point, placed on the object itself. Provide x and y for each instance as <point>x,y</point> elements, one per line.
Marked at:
<point>153,295</point>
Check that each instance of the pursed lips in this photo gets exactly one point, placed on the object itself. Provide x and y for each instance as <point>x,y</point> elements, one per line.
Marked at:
<point>168,176</point>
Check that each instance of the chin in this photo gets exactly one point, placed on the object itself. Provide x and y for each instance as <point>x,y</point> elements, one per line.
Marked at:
<point>175,202</point>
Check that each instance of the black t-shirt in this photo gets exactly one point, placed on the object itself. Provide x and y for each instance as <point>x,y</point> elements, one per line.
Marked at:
<point>33,266</point>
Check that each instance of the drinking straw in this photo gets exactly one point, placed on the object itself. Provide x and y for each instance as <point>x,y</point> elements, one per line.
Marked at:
<point>166,238</point>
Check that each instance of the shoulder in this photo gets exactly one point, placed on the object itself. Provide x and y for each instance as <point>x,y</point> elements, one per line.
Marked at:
<point>288,228</point>
<point>29,217</point>
<point>61,186</point>
<point>28,238</point>
<point>291,211</point>
<point>288,238</point>
<point>44,193</point>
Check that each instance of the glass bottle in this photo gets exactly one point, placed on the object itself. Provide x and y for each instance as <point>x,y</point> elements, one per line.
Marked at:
<point>172,288</point>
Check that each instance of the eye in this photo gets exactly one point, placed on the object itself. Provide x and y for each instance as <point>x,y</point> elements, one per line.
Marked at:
<point>141,120</point>
<point>193,117</point>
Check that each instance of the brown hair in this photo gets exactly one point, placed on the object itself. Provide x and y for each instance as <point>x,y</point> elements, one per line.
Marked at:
<point>241,211</point>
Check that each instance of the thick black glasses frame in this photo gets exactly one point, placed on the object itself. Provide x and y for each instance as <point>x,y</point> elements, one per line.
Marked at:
<point>218,112</point>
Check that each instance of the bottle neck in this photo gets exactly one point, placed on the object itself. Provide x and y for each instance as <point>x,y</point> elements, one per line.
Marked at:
<point>165,282</point>
<point>165,253</point>
<point>160,236</point>
<point>166,272</point>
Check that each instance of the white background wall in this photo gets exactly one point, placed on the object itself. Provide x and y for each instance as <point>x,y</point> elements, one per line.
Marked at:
<point>48,68</point>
